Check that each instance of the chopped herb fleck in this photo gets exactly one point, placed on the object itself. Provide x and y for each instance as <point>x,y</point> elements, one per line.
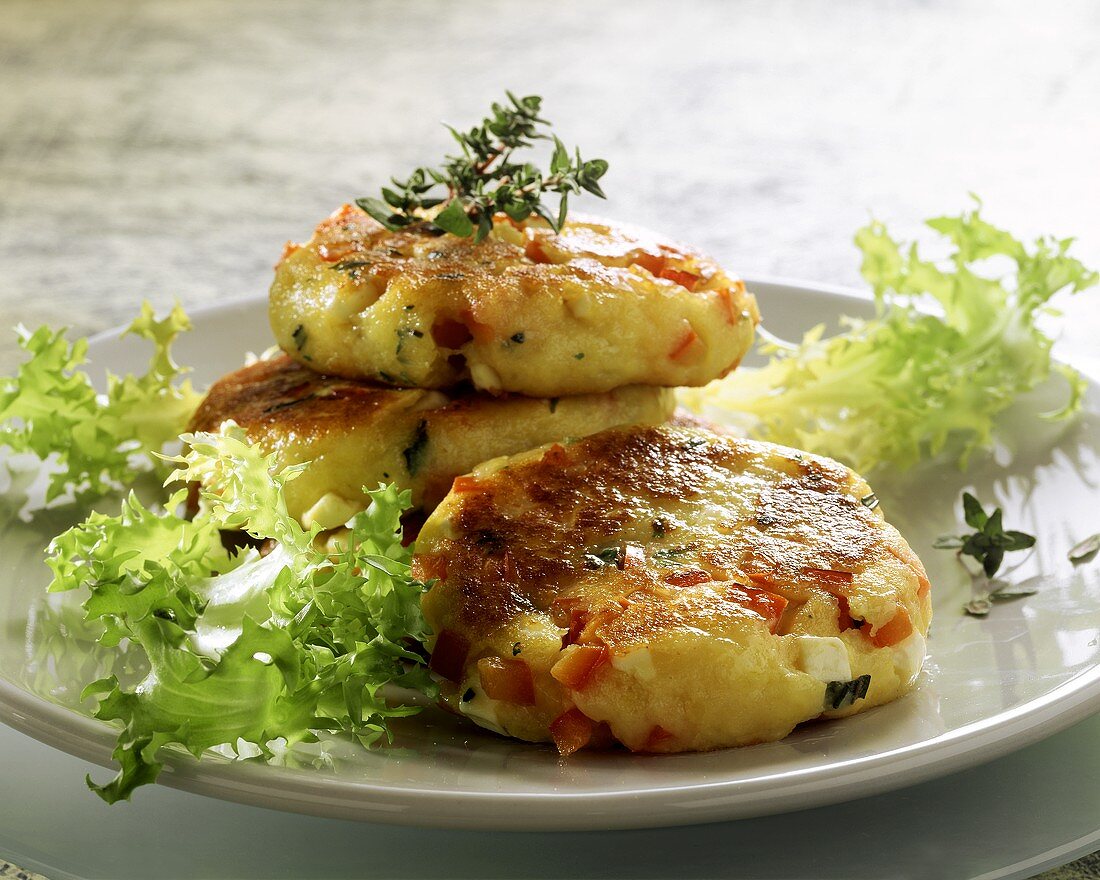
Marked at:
<point>839,694</point>
<point>409,307</point>
<point>386,377</point>
<point>350,265</point>
<point>469,695</point>
<point>579,356</point>
<point>659,528</point>
<point>417,450</point>
<point>286,404</point>
<point>517,649</point>
<point>667,557</point>
<point>869,501</point>
<point>554,404</point>
<point>518,338</point>
<point>299,337</point>
<point>602,558</point>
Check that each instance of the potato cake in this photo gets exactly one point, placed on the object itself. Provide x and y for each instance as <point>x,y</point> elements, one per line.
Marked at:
<point>358,434</point>
<point>669,588</point>
<point>527,310</point>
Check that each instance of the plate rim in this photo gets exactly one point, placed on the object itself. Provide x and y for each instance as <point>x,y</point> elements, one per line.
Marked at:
<point>301,791</point>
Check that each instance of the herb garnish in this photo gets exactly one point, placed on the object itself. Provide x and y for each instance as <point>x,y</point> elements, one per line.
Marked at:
<point>415,452</point>
<point>484,178</point>
<point>839,694</point>
<point>989,543</point>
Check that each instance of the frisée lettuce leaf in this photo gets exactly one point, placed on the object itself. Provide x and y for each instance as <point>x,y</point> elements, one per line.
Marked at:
<point>51,408</point>
<point>908,383</point>
<point>247,651</point>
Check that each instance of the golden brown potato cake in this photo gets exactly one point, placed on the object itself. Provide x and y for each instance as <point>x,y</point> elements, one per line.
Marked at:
<point>526,310</point>
<point>358,434</point>
<point>668,588</point>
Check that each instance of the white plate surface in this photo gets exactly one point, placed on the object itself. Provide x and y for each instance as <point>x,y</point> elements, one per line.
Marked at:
<point>991,686</point>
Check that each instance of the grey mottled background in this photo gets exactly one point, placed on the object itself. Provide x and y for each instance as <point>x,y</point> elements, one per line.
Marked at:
<point>167,150</point>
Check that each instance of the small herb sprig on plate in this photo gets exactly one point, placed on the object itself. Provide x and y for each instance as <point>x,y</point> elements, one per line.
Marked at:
<point>988,544</point>
<point>484,178</point>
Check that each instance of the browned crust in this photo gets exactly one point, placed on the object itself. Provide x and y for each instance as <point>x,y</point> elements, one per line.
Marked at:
<point>370,251</point>
<point>279,394</point>
<point>520,539</point>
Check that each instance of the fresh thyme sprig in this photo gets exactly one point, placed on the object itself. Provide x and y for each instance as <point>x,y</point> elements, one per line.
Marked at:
<point>987,544</point>
<point>990,540</point>
<point>484,178</point>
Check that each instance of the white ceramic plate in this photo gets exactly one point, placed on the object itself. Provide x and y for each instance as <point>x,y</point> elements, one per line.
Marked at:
<point>991,685</point>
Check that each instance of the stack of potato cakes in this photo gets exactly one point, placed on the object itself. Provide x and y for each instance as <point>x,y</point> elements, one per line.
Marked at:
<point>596,576</point>
<point>410,357</point>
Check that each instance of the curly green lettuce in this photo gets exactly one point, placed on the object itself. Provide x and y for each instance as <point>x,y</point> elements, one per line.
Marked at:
<point>51,408</point>
<point>247,648</point>
<point>908,383</point>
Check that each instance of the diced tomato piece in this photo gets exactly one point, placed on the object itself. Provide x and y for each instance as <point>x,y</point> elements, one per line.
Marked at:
<point>555,455</point>
<point>578,620</point>
<point>561,610</point>
<point>678,276</point>
<point>289,248</point>
<point>632,558</point>
<point>593,622</point>
<point>653,263</point>
<point>896,630</point>
<point>507,679</point>
<point>829,576</point>
<point>686,341</point>
<point>465,484</point>
<point>768,605</point>
<point>449,333</point>
<point>534,252</point>
<point>449,655</point>
<point>481,331</point>
<point>333,253</point>
<point>726,299</point>
<point>910,558</point>
<point>577,664</point>
<point>688,577</point>
<point>571,731</point>
<point>844,619</point>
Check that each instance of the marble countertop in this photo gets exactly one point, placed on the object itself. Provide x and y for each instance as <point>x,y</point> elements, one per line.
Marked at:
<point>167,150</point>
